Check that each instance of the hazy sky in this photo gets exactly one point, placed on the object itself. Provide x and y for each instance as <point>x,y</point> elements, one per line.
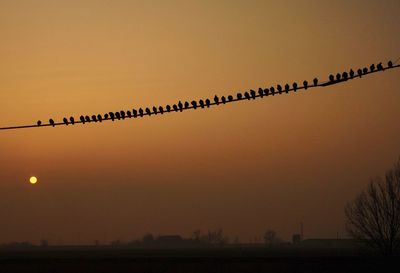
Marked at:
<point>244,167</point>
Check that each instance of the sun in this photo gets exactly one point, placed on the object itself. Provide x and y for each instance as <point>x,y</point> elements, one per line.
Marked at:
<point>33,180</point>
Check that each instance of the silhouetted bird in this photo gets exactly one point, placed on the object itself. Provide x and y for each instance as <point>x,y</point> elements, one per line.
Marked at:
<point>208,102</point>
<point>141,112</point>
<point>161,110</point>
<point>390,64</point>
<point>345,75</point>
<point>134,113</point>
<point>194,104</point>
<point>51,121</point>
<point>315,81</point>
<point>279,88</point>
<point>105,116</point>
<point>186,104</point>
<point>223,99</point>
<point>261,92</point>
<point>87,118</point>
<point>372,67</point>
<point>230,98</point>
<point>112,116</point>
<point>99,118</point>
<point>359,72</point>
<point>379,67</point>
<point>72,120</point>
<point>253,94</point>
<point>129,114</point>
<point>266,92</point>
<point>175,107</point>
<point>338,76</point>
<point>168,107</point>
<point>295,86</point>
<point>94,118</point>
<point>239,96</point>
<point>123,114</point>
<point>180,106</point>
<point>148,111</point>
<point>287,87</point>
<point>65,121</point>
<point>272,90</point>
<point>216,99</point>
<point>352,73</point>
<point>39,123</point>
<point>247,95</point>
<point>331,78</point>
<point>82,118</point>
<point>155,110</point>
<point>201,102</point>
<point>365,70</point>
<point>305,84</point>
<point>118,115</point>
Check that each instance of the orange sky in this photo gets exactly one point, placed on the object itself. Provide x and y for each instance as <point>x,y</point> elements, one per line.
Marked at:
<point>244,167</point>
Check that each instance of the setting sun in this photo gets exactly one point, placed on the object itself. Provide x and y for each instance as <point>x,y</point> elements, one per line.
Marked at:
<point>33,180</point>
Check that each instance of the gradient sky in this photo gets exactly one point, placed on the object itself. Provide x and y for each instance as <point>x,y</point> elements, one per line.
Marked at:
<point>244,167</point>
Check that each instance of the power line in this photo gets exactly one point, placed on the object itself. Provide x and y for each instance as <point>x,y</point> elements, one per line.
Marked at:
<point>248,95</point>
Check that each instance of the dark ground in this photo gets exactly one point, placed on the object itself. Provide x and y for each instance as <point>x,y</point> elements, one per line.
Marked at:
<point>190,260</point>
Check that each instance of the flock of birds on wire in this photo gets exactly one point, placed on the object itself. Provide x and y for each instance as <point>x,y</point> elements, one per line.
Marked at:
<point>248,95</point>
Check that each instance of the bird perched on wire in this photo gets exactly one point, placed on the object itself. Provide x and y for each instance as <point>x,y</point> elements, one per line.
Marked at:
<point>180,106</point>
<point>72,120</point>
<point>94,118</point>
<point>223,99</point>
<point>141,112</point>
<point>338,77</point>
<point>105,116</point>
<point>51,121</point>
<point>379,67</point>
<point>372,67</point>
<point>239,96</point>
<point>331,78</point>
<point>279,88</point>
<point>148,111</point>
<point>129,114</point>
<point>201,102</point>
<point>99,118</point>
<point>295,86</point>
<point>253,94</point>
<point>208,102</point>
<point>351,73</point>
<point>359,72</point>
<point>266,92</point>
<point>315,81</point>
<point>272,90</point>
<point>123,114</point>
<point>134,113</point>
<point>39,123</point>
<point>305,85</point>
<point>168,108</point>
<point>260,92</point>
<point>161,110</point>
<point>216,100</point>
<point>345,76</point>
<point>82,118</point>
<point>118,115</point>
<point>390,64</point>
<point>194,104</point>
<point>87,118</point>
<point>155,110</point>
<point>365,70</point>
<point>247,95</point>
<point>175,107</point>
<point>287,88</point>
<point>112,116</point>
<point>186,105</point>
<point>65,120</point>
<point>230,98</point>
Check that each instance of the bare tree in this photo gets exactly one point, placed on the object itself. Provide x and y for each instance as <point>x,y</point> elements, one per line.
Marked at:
<point>374,216</point>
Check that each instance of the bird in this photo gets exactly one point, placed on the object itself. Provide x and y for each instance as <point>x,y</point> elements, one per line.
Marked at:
<point>99,118</point>
<point>141,112</point>
<point>168,108</point>
<point>175,108</point>
<point>208,102</point>
<point>338,76</point>
<point>180,106</point>
<point>272,90</point>
<point>161,110</point>
<point>345,76</point>
<point>351,73</point>
<point>390,64</point>
<point>94,118</point>
<point>72,120</point>
<point>194,104</point>
<point>186,104</point>
<point>201,102</point>
<point>155,110</point>
<point>266,91</point>
<point>216,100</point>
<point>134,113</point>
<point>230,98</point>
<point>123,114</point>
<point>260,92</point>
<point>148,111</point>
<point>118,115</point>
<point>51,121</point>
<point>372,67</point>
<point>253,94</point>
<point>359,72</point>
<point>82,118</point>
<point>287,88</point>
<point>112,116</point>
<point>305,85</point>
<point>129,114</point>
<point>39,123</point>
<point>315,81</point>
<point>295,86</point>
<point>331,78</point>
<point>65,121</point>
<point>87,118</point>
<point>279,88</point>
<point>223,99</point>
<point>239,96</point>
<point>247,95</point>
<point>365,70</point>
<point>379,67</point>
